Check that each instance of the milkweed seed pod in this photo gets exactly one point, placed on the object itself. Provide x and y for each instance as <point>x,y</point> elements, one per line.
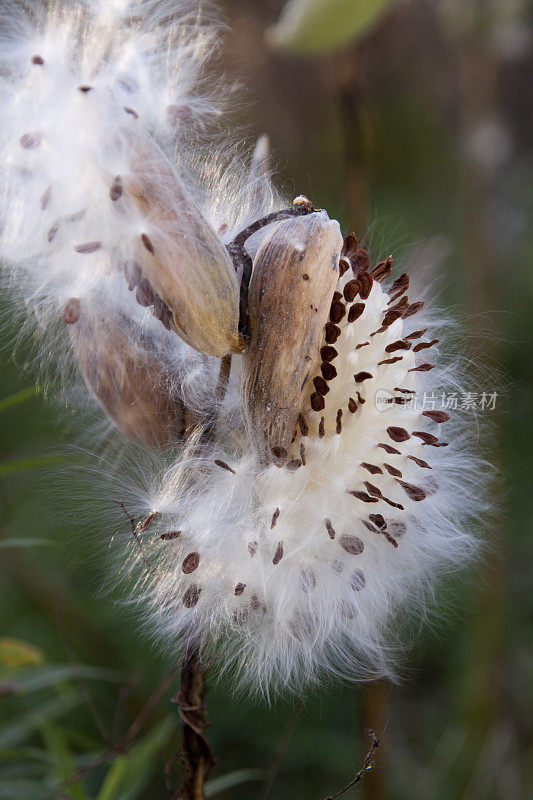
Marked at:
<point>290,567</point>
<point>131,377</point>
<point>294,274</point>
<point>325,497</point>
<point>94,199</point>
<point>181,256</point>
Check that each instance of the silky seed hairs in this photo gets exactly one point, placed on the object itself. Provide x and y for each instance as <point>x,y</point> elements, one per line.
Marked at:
<point>290,506</point>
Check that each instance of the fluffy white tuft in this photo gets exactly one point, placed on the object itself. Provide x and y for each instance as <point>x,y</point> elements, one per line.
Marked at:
<point>286,571</point>
<point>87,89</point>
<point>297,572</point>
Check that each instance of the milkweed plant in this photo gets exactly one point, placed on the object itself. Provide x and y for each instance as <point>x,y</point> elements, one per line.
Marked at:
<point>291,505</point>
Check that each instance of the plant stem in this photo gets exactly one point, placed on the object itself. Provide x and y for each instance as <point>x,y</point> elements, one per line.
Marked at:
<point>375,713</point>
<point>196,756</point>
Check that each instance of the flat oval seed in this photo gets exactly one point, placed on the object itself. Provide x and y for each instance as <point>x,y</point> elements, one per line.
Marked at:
<point>71,312</point>
<point>352,544</point>
<point>397,434</point>
<point>190,563</point>
<point>357,580</point>
<point>191,596</point>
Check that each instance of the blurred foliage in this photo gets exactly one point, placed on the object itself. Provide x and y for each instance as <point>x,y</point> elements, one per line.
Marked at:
<point>14,654</point>
<point>310,27</point>
<point>85,707</point>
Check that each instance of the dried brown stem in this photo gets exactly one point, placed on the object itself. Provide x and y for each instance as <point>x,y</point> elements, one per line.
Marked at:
<point>196,757</point>
<point>368,765</point>
<point>375,703</point>
<point>243,262</point>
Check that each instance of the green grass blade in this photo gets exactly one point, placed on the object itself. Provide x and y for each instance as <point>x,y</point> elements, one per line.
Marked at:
<point>232,779</point>
<point>12,754</point>
<point>17,398</point>
<point>32,680</point>
<point>14,544</point>
<point>14,733</point>
<point>130,773</point>
<point>22,789</point>
<point>63,764</point>
<point>30,462</point>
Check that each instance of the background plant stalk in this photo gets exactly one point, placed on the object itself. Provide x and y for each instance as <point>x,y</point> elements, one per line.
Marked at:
<point>196,757</point>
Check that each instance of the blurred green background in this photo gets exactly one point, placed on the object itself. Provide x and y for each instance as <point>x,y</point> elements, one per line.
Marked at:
<point>412,122</point>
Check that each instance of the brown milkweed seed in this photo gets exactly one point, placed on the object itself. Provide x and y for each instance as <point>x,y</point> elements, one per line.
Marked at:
<point>355,311</point>
<point>304,429</point>
<point>29,141</point>
<point>225,466</point>
<point>328,371</point>
<point>372,468</point>
<point>352,544</point>
<point>169,536</point>
<point>115,193</point>
<point>357,580</point>
<point>390,450</point>
<point>328,353</point>
<point>332,332</point>
<point>436,416</point>
<point>320,385</point>
<point>190,563</point>
<point>191,596</point>
<point>71,312</point>
<point>414,492</point>
<point>363,496</point>
<point>397,434</point>
<point>317,402</point>
<point>88,247</point>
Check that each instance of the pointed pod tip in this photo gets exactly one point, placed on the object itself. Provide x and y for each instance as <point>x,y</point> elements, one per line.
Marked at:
<point>303,201</point>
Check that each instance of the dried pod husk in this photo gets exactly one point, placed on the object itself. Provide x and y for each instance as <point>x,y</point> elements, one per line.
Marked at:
<point>182,257</point>
<point>294,276</point>
<point>130,378</point>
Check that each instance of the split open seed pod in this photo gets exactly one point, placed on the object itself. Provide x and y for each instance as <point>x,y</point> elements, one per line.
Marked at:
<point>129,377</point>
<point>295,272</point>
<point>181,256</point>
